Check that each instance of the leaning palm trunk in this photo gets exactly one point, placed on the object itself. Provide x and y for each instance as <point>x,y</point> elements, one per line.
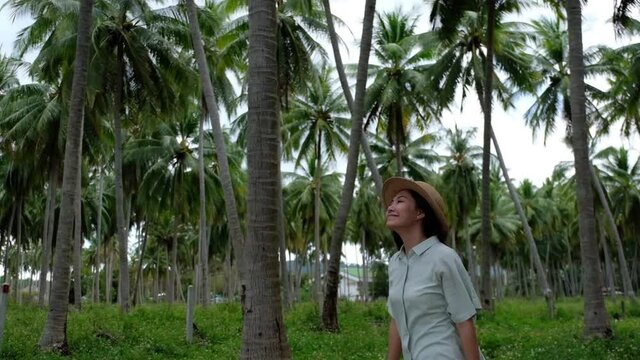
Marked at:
<point>263,331</point>
<point>377,179</point>
<point>235,230</point>
<point>607,261</point>
<point>533,248</point>
<point>54,335</point>
<point>486,295</point>
<point>330,304</point>
<point>624,270</point>
<point>596,319</point>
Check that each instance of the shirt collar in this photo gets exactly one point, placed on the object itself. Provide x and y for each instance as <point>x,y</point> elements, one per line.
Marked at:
<point>421,247</point>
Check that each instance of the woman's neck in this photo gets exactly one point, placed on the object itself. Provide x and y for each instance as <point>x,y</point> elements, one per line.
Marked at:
<point>411,237</point>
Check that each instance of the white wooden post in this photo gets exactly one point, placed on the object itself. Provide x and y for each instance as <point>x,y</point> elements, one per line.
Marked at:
<point>4,301</point>
<point>191,300</point>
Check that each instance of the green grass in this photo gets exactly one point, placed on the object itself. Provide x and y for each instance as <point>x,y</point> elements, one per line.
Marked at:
<point>519,329</point>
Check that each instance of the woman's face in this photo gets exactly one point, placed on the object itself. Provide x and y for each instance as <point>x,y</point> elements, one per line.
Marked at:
<point>402,211</point>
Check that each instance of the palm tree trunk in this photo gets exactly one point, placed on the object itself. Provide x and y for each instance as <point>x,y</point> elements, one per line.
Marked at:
<point>624,269</point>
<point>333,37</point>
<point>96,291</point>
<point>156,280</point>
<point>596,319</point>
<point>235,229</point>
<point>365,268</point>
<point>317,282</point>
<point>202,275</point>
<point>611,286</point>
<point>139,273</point>
<point>533,248</point>
<point>77,244</point>
<point>263,332</point>
<point>123,283</point>
<point>485,268</point>
<point>473,274</point>
<point>284,273</point>
<point>108,274</point>
<point>47,236</point>
<point>330,304</point>
<point>173,273</point>
<point>5,262</point>
<point>18,290</point>
<point>54,335</point>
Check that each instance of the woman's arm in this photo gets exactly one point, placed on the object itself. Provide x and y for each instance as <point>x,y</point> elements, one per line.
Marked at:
<point>395,346</point>
<point>467,333</point>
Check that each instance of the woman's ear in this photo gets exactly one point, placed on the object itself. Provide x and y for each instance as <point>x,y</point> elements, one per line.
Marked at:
<point>420,214</point>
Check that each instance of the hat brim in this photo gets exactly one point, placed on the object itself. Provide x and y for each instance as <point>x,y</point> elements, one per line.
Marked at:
<point>394,185</point>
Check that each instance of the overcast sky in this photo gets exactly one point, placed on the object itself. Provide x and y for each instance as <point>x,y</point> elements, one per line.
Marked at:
<point>525,156</point>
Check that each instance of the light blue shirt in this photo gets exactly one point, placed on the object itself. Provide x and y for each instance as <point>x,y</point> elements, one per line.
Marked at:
<point>429,292</point>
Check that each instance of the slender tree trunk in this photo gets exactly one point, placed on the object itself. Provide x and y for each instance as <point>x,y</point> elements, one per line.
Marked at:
<point>96,291</point>
<point>156,280</point>
<point>596,319</point>
<point>47,236</point>
<point>18,289</point>
<point>365,268</point>
<point>533,248</point>
<point>7,247</point>
<point>284,271</point>
<point>108,273</point>
<point>54,335</point>
<point>77,245</point>
<point>611,286</point>
<point>263,333</point>
<point>173,274</point>
<point>202,275</point>
<point>317,281</point>
<point>123,282</point>
<point>330,305</point>
<point>235,229</point>
<point>485,268</point>
<point>139,273</point>
<point>624,270</point>
<point>377,179</point>
<point>473,272</point>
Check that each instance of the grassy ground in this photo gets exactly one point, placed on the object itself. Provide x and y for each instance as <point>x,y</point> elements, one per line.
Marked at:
<point>519,329</point>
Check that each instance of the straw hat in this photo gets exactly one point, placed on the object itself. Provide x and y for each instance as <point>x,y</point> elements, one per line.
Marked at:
<point>396,184</point>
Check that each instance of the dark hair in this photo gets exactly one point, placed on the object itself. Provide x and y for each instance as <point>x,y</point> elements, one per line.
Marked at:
<point>430,225</point>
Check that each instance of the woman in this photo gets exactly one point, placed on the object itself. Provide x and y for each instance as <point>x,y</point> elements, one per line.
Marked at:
<point>431,299</point>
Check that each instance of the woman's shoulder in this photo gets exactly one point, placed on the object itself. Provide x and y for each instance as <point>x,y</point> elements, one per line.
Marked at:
<point>445,254</point>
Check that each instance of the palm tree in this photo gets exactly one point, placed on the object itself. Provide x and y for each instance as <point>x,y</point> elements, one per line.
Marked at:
<point>470,60</point>
<point>620,103</point>
<point>460,187</point>
<point>621,12</point>
<point>316,129</point>
<point>237,237</point>
<point>333,37</point>
<point>330,303</point>
<point>418,157</point>
<point>622,177</point>
<point>54,335</point>
<point>396,93</point>
<point>596,319</point>
<point>263,334</point>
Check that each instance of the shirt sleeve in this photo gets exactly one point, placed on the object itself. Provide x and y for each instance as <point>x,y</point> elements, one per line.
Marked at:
<point>458,290</point>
